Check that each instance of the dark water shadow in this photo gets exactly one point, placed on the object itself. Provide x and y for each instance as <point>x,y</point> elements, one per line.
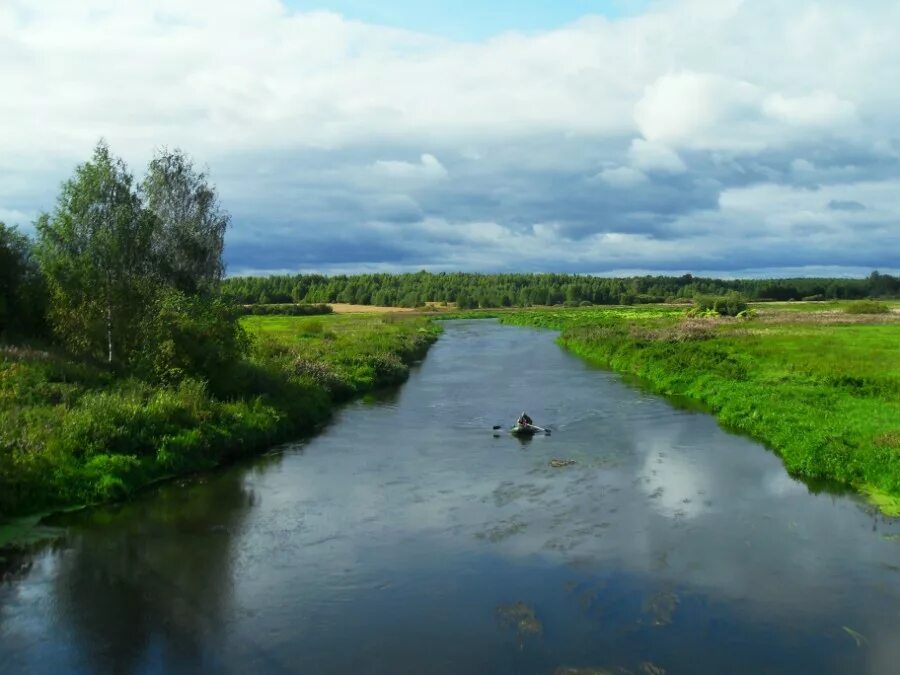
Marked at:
<point>155,573</point>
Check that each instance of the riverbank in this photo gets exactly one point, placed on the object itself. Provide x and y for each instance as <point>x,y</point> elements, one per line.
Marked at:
<point>820,387</point>
<point>74,433</point>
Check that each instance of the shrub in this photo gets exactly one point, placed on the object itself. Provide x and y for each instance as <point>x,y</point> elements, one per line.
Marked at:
<point>389,369</point>
<point>111,476</point>
<point>312,328</point>
<point>285,310</point>
<point>190,336</point>
<point>323,375</point>
<point>867,307</point>
<point>731,304</point>
<point>23,294</point>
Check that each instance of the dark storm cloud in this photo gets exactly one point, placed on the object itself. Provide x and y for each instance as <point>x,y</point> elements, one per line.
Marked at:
<point>298,252</point>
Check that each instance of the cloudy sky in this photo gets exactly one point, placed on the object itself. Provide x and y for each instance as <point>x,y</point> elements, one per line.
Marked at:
<point>737,137</point>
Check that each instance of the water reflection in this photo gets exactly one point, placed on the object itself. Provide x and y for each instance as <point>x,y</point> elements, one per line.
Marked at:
<point>391,543</point>
<point>139,585</point>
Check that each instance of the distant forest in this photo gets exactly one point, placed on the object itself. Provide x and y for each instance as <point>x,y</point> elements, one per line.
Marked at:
<point>508,290</point>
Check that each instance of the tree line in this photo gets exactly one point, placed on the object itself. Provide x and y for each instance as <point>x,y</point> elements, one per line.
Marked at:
<point>470,290</point>
<point>125,272</point>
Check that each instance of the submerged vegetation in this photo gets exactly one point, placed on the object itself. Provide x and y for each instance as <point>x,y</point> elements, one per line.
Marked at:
<point>821,388</point>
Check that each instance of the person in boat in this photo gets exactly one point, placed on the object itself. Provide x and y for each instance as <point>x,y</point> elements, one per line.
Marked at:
<point>524,420</point>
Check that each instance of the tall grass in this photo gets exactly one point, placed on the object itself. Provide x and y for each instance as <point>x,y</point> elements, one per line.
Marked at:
<point>74,433</point>
<point>867,307</point>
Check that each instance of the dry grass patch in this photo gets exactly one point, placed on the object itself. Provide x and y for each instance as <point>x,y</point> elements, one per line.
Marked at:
<point>688,329</point>
<point>889,439</point>
<point>826,318</point>
<point>345,308</point>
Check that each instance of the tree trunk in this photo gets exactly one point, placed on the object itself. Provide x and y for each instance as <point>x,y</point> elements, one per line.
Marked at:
<point>109,331</point>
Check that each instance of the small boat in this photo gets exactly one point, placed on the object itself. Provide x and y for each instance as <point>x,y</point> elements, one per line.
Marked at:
<point>528,430</point>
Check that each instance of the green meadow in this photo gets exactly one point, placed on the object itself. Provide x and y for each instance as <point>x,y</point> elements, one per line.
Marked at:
<point>816,383</point>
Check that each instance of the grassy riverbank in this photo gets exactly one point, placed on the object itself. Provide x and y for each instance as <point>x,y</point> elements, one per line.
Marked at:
<point>73,432</point>
<point>818,385</point>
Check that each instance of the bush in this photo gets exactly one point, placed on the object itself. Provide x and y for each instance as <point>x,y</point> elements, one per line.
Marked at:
<point>312,328</point>
<point>323,375</point>
<point>23,294</point>
<point>190,336</point>
<point>647,299</point>
<point>112,476</point>
<point>867,307</point>
<point>389,369</point>
<point>285,310</point>
<point>731,304</point>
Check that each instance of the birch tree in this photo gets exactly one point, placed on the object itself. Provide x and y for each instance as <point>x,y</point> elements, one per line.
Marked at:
<point>191,224</point>
<point>95,250</point>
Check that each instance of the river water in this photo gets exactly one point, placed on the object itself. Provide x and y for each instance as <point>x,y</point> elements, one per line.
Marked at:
<point>408,538</point>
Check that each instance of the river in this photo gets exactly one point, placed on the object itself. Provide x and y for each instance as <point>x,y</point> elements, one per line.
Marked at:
<point>408,537</point>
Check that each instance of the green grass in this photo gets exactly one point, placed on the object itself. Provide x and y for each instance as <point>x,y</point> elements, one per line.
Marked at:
<point>346,354</point>
<point>821,389</point>
<point>74,433</point>
<point>867,307</point>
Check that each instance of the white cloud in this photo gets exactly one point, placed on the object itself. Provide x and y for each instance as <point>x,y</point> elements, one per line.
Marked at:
<point>694,109</point>
<point>622,177</point>
<point>689,100</point>
<point>822,109</point>
<point>803,166</point>
<point>649,156</point>
<point>428,168</point>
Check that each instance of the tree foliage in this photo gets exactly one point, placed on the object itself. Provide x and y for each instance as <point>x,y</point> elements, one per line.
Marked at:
<point>94,251</point>
<point>189,336</point>
<point>503,290</point>
<point>190,224</point>
<point>730,304</point>
<point>22,298</point>
<point>133,275</point>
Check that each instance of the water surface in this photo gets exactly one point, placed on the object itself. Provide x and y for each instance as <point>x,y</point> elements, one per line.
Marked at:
<point>409,538</point>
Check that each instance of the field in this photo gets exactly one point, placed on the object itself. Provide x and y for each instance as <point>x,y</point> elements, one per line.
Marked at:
<point>346,354</point>
<point>73,432</point>
<point>819,386</point>
<point>346,308</point>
